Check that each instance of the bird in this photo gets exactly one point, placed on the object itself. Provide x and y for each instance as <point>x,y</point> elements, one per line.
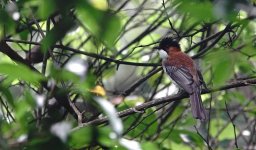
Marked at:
<point>35,55</point>
<point>184,73</point>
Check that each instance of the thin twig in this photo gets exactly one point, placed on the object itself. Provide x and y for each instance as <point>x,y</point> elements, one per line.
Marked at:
<point>205,140</point>
<point>78,113</point>
<point>170,23</point>
<point>94,55</point>
<point>234,126</point>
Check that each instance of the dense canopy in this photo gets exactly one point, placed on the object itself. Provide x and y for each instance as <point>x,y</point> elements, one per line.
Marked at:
<point>85,74</point>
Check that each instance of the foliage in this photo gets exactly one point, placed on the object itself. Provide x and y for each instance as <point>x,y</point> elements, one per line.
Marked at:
<point>67,68</point>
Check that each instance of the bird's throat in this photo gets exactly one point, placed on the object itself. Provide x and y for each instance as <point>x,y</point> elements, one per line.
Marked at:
<point>163,54</point>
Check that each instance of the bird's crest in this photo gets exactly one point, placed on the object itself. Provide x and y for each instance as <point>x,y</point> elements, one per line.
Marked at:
<point>167,42</point>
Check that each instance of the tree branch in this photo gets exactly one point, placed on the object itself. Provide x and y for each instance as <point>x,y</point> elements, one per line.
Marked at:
<point>93,55</point>
<point>169,99</point>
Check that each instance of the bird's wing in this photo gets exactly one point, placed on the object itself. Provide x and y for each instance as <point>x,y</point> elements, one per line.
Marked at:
<point>181,76</point>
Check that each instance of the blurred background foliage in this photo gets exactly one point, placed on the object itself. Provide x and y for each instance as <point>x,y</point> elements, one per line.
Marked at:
<point>65,65</point>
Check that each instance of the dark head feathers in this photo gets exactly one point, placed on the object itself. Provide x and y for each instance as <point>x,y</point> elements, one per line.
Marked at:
<point>168,42</point>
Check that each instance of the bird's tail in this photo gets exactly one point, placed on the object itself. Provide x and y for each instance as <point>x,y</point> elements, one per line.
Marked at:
<point>197,107</point>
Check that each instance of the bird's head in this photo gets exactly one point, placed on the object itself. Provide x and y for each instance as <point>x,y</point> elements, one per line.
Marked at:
<point>167,45</point>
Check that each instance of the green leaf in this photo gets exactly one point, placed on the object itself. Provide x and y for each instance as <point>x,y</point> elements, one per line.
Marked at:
<point>249,49</point>
<point>43,141</point>
<point>206,10</point>
<point>104,25</point>
<point>175,114</point>
<point>20,72</point>
<point>8,95</point>
<point>149,145</point>
<point>63,75</point>
<point>47,7</point>
<point>104,137</point>
<point>227,133</point>
<point>80,138</point>
<point>7,25</point>
<point>194,137</point>
<point>222,63</point>
<point>23,112</point>
<point>200,10</point>
<point>176,146</point>
<point>24,35</point>
<point>175,136</point>
<point>237,96</point>
<point>57,32</point>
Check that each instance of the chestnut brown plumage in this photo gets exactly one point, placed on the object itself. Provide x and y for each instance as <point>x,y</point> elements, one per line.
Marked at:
<point>182,70</point>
